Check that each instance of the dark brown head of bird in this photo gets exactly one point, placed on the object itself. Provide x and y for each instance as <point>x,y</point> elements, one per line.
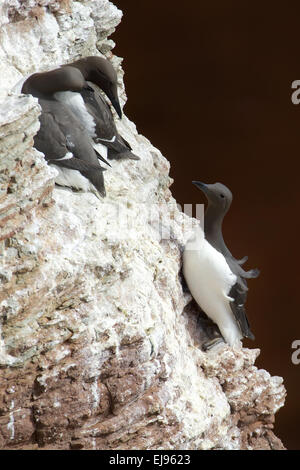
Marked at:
<point>61,79</point>
<point>218,195</point>
<point>101,72</point>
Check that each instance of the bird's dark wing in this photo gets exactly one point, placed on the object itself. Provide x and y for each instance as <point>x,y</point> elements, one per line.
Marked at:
<point>106,131</point>
<point>61,133</point>
<point>102,158</point>
<point>50,139</point>
<point>251,274</point>
<point>239,296</point>
<point>94,173</point>
<point>77,140</point>
<point>236,268</point>
<point>217,241</point>
<point>100,110</point>
<point>114,154</point>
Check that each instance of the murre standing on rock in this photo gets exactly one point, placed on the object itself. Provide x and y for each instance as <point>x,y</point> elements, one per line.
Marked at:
<point>62,138</point>
<point>215,278</point>
<point>100,72</point>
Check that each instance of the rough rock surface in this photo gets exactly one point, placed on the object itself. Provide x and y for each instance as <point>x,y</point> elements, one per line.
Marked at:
<point>100,345</point>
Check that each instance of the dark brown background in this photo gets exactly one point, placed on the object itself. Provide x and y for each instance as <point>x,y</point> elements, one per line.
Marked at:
<point>209,83</point>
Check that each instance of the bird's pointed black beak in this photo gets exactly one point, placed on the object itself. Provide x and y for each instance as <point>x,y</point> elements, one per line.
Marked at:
<point>116,104</point>
<point>200,185</point>
<point>112,94</point>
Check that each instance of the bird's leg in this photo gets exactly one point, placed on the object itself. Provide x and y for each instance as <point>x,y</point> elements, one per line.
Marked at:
<point>212,343</point>
<point>210,334</point>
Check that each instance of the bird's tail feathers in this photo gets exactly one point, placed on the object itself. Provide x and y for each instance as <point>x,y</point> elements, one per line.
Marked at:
<point>112,155</point>
<point>101,158</point>
<point>239,297</point>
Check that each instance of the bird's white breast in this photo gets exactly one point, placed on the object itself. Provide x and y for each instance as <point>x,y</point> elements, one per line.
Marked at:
<point>206,270</point>
<point>210,280</point>
<point>75,102</point>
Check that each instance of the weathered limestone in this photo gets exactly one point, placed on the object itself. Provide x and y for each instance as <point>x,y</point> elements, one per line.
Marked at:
<point>100,346</point>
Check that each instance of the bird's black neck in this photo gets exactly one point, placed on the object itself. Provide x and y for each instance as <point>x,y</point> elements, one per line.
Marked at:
<point>213,220</point>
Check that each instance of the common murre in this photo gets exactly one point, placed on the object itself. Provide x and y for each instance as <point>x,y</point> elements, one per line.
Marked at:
<point>62,138</point>
<point>215,278</point>
<point>99,72</point>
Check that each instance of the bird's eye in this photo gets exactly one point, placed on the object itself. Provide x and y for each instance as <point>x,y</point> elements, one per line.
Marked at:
<point>222,195</point>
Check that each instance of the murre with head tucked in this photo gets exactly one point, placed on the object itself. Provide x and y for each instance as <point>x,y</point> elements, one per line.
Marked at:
<point>93,110</point>
<point>215,278</point>
<point>62,138</point>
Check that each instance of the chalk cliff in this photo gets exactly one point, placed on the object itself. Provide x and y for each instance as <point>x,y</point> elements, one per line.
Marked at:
<point>100,345</point>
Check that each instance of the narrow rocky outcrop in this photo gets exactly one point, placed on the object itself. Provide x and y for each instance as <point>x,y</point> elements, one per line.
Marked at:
<point>100,345</point>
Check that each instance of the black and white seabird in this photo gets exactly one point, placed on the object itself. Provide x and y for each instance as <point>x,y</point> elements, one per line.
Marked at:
<point>99,72</point>
<point>219,199</point>
<point>62,138</point>
<point>215,278</point>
